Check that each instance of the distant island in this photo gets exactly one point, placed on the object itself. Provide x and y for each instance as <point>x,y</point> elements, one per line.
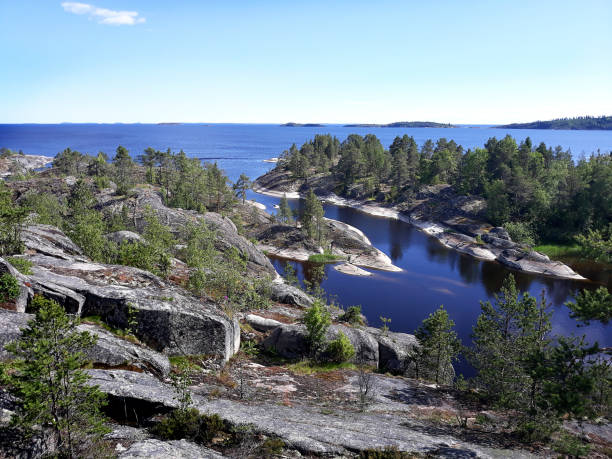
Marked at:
<point>169,124</point>
<point>579,123</point>
<point>406,124</point>
<point>301,125</point>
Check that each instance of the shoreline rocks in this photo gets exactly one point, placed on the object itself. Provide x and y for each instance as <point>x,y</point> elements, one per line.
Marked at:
<point>490,249</point>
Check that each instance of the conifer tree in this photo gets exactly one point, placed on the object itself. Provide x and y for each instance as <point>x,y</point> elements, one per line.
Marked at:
<point>123,170</point>
<point>285,214</point>
<point>48,379</point>
<point>439,347</point>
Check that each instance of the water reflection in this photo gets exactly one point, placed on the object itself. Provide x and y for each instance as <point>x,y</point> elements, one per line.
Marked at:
<point>433,275</point>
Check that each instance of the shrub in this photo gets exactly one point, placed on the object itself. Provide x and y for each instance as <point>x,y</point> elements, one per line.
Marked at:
<point>571,445</point>
<point>317,320</point>
<point>22,265</point>
<point>520,232</point>
<point>272,446</point>
<point>39,302</point>
<point>189,424</point>
<point>341,349</point>
<point>352,316</point>
<point>9,287</point>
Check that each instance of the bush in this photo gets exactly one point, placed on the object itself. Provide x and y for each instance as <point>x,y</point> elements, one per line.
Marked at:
<point>341,349</point>
<point>520,232</point>
<point>9,288</point>
<point>39,302</point>
<point>352,316</point>
<point>317,320</point>
<point>22,265</point>
<point>189,424</point>
<point>571,445</point>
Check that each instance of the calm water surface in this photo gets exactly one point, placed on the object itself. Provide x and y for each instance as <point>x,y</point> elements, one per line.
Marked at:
<point>432,275</point>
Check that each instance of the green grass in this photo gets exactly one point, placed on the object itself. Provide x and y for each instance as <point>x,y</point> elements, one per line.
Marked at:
<point>21,264</point>
<point>306,367</point>
<point>119,332</point>
<point>324,258</point>
<point>559,250</point>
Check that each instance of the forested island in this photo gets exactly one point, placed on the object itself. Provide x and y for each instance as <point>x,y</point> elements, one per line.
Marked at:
<point>537,193</point>
<point>406,124</point>
<point>578,123</point>
<point>291,124</point>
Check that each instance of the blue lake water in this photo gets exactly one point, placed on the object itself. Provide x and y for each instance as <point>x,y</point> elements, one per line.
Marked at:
<point>432,275</point>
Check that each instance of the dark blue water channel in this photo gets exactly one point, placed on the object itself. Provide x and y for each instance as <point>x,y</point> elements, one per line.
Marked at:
<point>433,275</point>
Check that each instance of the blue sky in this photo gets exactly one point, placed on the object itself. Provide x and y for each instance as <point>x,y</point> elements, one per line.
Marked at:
<point>316,61</point>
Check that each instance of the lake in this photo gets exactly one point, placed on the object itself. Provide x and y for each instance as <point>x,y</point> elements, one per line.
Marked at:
<point>432,275</point>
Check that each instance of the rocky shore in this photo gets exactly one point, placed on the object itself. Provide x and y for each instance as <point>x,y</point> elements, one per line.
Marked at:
<point>458,228</point>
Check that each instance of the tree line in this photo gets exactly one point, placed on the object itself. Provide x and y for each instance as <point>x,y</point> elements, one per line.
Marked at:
<point>538,193</point>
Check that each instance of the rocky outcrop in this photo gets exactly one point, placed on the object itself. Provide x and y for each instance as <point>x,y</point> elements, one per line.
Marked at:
<point>178,219</point>
<point>175,449</point>
<point>306,428</point>
<point>25,292</point>
<point>169,320</point>
<point>289,294</point>
<point>109,350</point>
<point>346,242</point>
<point>20,164</point>
<point>290,341</point>
<point>437,211</point>
<point>119,237</point>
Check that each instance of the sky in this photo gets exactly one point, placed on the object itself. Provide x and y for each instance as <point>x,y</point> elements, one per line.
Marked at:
<point>473,62</point>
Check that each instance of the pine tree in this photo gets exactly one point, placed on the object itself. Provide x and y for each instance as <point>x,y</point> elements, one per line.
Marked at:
<point>505,337</point>
<point>241,186</point>
<point>123,170</point>
<point>439,347</point>
<point>48,380</point>
<point>285,214</point>
<point>312,217</point>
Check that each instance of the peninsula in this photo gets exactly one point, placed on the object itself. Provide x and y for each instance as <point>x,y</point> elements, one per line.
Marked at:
<point>405,124</point>
<point>587,123</point>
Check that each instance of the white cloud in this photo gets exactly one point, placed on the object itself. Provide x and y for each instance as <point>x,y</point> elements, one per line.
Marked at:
<point>103,15</point>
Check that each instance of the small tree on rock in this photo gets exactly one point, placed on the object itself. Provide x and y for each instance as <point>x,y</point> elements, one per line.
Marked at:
<point>439,347</point>
<point>48,379</point>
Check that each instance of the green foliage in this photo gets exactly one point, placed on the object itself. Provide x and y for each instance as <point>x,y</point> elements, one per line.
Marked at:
<point>9,288</point>
<point>559,250</point>
<point>124,170</point>
<point>200,245</point>
<point>284,214</point>
<point>570,445</point>
<point>387,453</point>
<point>544,187</point>
<point>186,183</point>
<point>317,320</point>
<point>47,206</point>
<point>23,265</point>
<point>505,334</point>
<point>48,380</point>
<point>12,217</point>
<point>596,244</point>
<point>272,446</point>
<point>592,305</point>
<point>189,424</point>
<point>439,347</point>
<point>352,316</point>
<point>385,325</point>
<point>290,275</point>
<point>312,218</point>
<point>70,162</point>
<point>325,257</point>
<point>580,122</point>
<point>241,186</point>
<point>520,232</point>
<point>340,349</point>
